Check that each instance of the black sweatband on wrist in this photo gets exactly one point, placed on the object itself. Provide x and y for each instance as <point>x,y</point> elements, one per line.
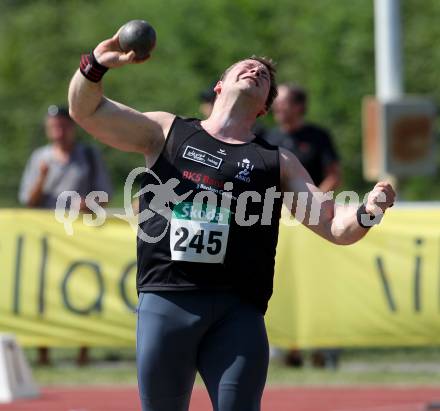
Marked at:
<point>91,69</point>
<point>365,219</point>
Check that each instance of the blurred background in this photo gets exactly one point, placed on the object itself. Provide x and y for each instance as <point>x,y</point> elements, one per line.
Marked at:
<point>327,46</point>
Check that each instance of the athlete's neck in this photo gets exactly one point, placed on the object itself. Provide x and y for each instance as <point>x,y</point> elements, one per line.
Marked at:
<point>231,122</point>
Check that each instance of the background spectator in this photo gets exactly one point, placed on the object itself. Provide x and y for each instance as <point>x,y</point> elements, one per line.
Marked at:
<point>310,143</point>
<point>64,164</point>
<point>315,150</point>
<point>207,98</point>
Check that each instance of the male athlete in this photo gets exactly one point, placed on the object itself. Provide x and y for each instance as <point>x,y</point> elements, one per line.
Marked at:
<point>204,287</point>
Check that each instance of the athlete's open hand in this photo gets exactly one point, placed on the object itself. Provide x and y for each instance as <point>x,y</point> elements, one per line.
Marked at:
<point>380,198</point>
<point>109,54</point>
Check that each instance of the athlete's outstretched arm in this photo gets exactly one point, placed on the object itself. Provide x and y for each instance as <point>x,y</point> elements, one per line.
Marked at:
<point>109,121</point>
<point>338,224</point>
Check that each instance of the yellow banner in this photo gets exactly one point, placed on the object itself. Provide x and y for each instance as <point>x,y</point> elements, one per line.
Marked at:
<point>62,290</point>
<point>381,291</point>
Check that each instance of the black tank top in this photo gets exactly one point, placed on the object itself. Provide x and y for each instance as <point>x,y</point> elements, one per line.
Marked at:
<point>200,245</point>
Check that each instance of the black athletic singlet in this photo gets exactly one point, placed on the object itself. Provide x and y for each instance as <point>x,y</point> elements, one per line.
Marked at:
<point>202,243</point>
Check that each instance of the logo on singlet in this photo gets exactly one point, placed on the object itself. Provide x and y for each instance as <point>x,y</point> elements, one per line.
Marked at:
<point>200,156</point>
<point>246,168</point>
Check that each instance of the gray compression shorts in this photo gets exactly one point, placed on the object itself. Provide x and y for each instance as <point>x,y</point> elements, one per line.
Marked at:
<point>214,333</point>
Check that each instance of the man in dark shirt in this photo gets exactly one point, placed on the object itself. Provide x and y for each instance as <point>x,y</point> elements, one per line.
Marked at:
<point>311,144</point>
<point>313,147</point>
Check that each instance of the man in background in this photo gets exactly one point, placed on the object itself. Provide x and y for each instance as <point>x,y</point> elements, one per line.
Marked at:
<point>62,165</point>
<point>314,148</point>
<point>207,98</point>
<point>311,144</point>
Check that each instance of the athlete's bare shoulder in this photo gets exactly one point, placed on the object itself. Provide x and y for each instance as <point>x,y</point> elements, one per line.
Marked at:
<point>293,174</point>
<point>163,119</point>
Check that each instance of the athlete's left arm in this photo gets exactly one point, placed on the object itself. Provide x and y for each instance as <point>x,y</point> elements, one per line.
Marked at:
<point>336,223</point>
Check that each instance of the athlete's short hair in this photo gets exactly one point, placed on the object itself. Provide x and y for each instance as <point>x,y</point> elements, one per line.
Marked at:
<point>270,65</point>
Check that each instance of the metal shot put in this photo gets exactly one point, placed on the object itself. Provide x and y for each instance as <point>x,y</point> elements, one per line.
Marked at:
<point>139,36</point>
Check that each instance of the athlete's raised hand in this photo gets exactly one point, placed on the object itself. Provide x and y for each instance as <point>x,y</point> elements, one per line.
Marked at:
<point>109,53</point>
<point>380,198</point>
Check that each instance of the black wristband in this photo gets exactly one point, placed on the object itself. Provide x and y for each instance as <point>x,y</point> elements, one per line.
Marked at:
<point>365,219</point>
<point>91,69</point>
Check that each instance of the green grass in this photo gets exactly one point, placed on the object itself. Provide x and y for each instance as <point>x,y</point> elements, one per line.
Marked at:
<point>357,367</point>
<point>125,373</point>
<point>281,375</point>
<point>397,355</point>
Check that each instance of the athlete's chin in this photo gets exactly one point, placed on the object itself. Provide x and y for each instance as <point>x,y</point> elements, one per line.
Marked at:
<point>245,86</point>
<point>251,91</point>
<point>254,95</point>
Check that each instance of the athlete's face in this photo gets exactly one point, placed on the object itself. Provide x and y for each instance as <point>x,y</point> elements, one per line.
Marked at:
<point>250,77</point>
<point>60,129</point>
<point>284,109</point>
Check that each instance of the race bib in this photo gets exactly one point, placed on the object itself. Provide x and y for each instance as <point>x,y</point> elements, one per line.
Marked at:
<point>199,233</point>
